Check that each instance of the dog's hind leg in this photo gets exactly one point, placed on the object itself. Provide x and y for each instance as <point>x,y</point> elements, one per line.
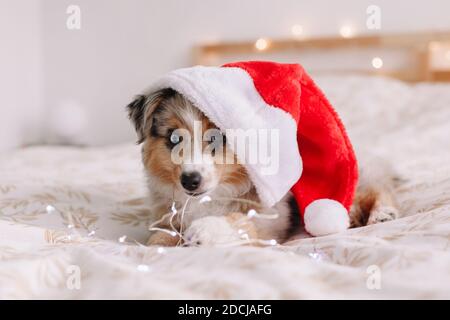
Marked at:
<point>375,197</point>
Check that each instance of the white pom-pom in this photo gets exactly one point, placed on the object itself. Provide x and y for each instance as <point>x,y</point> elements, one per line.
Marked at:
<point>325,216</point>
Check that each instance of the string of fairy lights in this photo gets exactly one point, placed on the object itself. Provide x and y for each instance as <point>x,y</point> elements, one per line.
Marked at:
<point>73,223</point>
<point>175,214</point>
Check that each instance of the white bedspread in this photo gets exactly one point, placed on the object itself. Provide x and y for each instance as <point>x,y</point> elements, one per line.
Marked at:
<point>102,188</point>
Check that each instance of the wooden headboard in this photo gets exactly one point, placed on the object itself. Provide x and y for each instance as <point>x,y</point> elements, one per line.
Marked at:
<point>409,57</point>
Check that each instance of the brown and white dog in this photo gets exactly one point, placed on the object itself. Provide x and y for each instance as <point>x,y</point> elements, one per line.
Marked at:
<point>158,117</point>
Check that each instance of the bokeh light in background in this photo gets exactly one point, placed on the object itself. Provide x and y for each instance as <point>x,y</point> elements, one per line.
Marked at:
<point>347,31</point>
<point>261,44</point>
<point>377,63</point>
<point>297,30</point>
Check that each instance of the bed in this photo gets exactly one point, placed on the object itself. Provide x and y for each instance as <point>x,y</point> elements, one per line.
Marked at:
<point>72,220</point>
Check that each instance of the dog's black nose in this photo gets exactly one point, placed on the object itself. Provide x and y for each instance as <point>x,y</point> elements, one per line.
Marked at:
<point>191,180</point>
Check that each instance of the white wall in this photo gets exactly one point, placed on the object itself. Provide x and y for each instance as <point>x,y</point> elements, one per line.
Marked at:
<point>92,73</point>
<point>21,65</point>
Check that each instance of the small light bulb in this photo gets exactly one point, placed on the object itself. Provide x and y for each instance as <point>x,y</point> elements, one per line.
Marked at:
<point>245,236</point>
<point>273,242</point>
<point>346,31</point>
<point>90,234</point>
<point>143,268</point>
<point>317,255</point>
<point>173,208</point>
<point>297,30</point>
<point>161,250</point>
<point>313,255</point>
<point>122,239</point>
<point>70,226</point>
<point>377,62</point>
<point>261,44</point>
<point>205,199</point>
<point>251,213</point>
<point>173,233</point>
<point>50,209</point>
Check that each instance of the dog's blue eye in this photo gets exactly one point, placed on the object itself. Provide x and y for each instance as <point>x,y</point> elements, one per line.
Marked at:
<point>174,138</point>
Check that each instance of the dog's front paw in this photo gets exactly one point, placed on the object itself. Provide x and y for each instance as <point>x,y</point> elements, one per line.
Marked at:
<point>162,239</point>
<point>210,231</point>
<point>382,214</point>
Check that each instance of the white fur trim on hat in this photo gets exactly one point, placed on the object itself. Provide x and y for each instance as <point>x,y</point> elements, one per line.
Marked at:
<point>325,216</point>
<point>229,98</point>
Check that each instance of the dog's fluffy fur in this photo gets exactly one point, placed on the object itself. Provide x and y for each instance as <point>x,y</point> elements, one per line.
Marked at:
<point>155,118</point>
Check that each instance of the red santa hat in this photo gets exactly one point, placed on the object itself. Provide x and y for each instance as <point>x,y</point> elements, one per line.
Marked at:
<point>317,162</point>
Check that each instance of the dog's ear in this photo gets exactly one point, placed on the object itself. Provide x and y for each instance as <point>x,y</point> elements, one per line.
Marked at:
<point>140,110</point>
<point>136,113</point>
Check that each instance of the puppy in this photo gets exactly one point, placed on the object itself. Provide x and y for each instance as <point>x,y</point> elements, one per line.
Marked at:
<point>162,121</point>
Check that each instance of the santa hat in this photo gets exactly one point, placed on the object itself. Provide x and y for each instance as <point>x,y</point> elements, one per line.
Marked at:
<point>317,162</point>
